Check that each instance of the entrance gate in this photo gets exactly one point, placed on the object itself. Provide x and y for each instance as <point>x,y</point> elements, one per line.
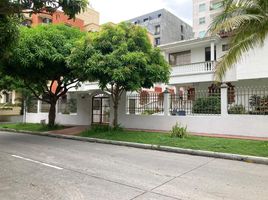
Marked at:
<point>101,109</point>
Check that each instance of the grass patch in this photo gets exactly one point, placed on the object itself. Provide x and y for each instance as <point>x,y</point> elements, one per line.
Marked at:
<point>235,146</point>
<point>31,127</point>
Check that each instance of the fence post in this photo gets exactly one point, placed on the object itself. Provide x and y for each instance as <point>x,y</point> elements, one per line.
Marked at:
<point>166,102</point>
<point>224,99</point>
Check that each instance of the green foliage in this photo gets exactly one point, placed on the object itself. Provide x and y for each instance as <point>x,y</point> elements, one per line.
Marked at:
<point>70,7</point>
<point>121,58</point>
<point>237,109</point>
<point>39,61</point>
<point>148,112</point>
<point>178,131</point>
<point>105,128</point>
<point>32,127</point>
<point>248,22</point>
<point>235,146</point>
<point>259,105</point>
<point>9,33</point>
<point>207,105</point>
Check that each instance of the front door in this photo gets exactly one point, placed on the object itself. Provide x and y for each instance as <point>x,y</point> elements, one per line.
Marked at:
<point>101,109</point>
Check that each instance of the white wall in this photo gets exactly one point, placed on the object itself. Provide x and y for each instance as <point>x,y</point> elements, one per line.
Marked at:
<point>254,64</point>
<point>246,125</point>
<point>83,116</point>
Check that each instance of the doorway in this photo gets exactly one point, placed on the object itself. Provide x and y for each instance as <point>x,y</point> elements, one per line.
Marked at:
<point>101,109</point>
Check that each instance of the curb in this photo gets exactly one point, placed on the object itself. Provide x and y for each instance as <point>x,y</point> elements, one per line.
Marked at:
<point>244,158</point>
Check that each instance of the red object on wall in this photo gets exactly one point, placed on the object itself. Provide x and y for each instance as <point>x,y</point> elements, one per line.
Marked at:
<point>158,89</point>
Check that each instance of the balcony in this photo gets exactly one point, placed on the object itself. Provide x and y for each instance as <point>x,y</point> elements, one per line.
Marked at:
<point>194,72</point>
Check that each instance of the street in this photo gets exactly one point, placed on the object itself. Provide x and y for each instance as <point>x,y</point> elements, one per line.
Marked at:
<point>43,168</point>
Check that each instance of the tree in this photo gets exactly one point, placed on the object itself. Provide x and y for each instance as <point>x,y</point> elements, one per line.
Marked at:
<point>39,62</point>
<point>11,11</point>
<point>247,20</point>
<point>121,58</point>
<point>8,33</point>
<point>69,7</point>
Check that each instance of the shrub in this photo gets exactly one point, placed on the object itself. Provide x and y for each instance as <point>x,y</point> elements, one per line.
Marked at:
<point>207,105</point>
<point>178,131</point>
<point>100,128</point>
<point>237,109</point>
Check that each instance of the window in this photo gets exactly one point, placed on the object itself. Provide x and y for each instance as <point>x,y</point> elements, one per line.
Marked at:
<point>182,29</point>
<point>225,47</point>
<point>157,30</point>
<point>180,58</point>
<point>27,23</point>
<point>146,20</point>
<point>68,104</point>
<point>46,21</point>
<point>157,41</point>
<point>182,37</point>
<point>202,34</point>
<point>202,20</point>
<point>202,7</point>
<point>216,5</point>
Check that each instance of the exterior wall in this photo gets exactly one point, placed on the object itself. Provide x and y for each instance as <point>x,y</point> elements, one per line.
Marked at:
<point>82,117</point>
<point>230,125</point>
<point>171,29</point>
<point>253,64</point>
<point>246,125</point>
<point>170,26</point>
<point>207,13</point>
<point>87,21</point>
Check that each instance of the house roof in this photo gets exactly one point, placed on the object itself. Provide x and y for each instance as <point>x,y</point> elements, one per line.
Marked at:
<point>188,44</point>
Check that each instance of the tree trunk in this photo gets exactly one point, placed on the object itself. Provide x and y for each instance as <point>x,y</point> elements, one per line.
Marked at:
<point>115,121</point>
<point>52,114</point>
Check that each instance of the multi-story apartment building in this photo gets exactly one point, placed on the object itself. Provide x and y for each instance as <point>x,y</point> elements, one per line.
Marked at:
<point>86,21</point>
<point>203,13</point>
<point>165,26</point>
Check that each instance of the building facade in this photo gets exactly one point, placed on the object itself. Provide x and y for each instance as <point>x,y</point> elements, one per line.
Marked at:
<point>86,21</point>
<point>165,26</point>
<point>203,13</point>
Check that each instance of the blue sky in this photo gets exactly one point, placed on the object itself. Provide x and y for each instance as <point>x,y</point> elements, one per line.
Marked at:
<point>120,10</point>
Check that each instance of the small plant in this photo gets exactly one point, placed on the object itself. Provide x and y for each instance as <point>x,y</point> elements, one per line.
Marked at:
<point>237,109</point>
<point>178,131</point>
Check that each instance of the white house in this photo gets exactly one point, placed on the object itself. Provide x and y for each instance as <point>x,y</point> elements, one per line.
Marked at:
<point>237,107</point>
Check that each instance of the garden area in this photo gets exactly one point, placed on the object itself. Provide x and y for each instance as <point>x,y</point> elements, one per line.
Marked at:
<point>234,146</point>
<point>31,127</point>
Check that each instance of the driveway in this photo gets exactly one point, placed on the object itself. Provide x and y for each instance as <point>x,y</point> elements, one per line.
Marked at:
<point>43,168</point>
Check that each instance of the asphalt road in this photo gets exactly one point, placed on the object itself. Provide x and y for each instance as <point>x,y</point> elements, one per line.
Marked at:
<point>43,168</point>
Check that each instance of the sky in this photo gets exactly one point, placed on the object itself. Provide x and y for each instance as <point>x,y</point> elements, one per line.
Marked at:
<point>121,10</point>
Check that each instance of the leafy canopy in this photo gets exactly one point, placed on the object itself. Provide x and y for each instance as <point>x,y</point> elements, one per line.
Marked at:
<point>69,7</point>
<point>248,22</point>
<point>121,56</point>
<point>40,57</point>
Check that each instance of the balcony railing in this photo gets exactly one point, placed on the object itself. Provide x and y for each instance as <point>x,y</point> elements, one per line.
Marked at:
<point>194,68</point>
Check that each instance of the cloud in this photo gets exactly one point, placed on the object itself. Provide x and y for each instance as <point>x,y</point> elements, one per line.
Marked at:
<point>121,10</point>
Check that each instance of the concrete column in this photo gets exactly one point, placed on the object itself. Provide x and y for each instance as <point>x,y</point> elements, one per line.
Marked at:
<point>166,102</point>
<point>212,51</point>
<point>38,106</point>
<point>13,97</point>
<point>24,111</point>
<point>224,99</point>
